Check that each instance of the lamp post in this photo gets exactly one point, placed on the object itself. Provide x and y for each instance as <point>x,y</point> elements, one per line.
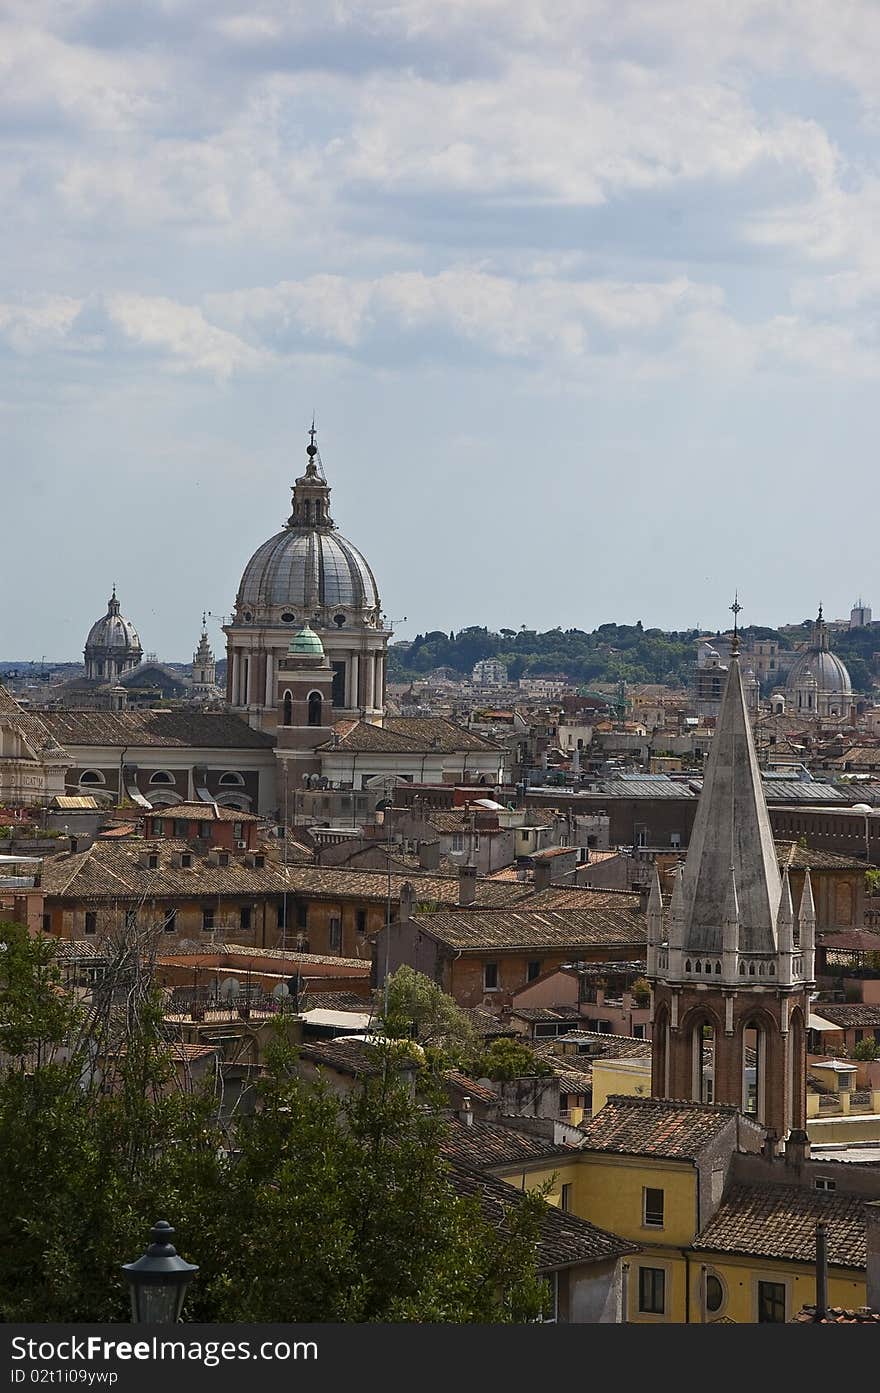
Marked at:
<point>158,1280</point>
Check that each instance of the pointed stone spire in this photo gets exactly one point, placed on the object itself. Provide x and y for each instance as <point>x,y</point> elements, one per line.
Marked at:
<point>807,925</point>
<point>655,921</point>
<point>785,932</point>
<point>732,828</point>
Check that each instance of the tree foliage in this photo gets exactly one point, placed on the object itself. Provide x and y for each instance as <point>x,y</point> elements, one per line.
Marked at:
<point>302,1207</point>
<point>504,1059</point>
<point>419,1009</point>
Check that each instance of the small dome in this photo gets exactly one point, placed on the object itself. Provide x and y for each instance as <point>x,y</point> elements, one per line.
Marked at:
<point>306,644</point>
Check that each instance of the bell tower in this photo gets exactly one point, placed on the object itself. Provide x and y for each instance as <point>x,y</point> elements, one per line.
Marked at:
<point>729,960</point>
<point>305,705</point>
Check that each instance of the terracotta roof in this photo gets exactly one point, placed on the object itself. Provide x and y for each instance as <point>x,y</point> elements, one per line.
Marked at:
<point>114,870</point>
<point>202,812</point>
<point>186,1053</point>
<point>487,1025</point>
<point>470,1088</point>
<point>779,1221</point>
<point>545,1013</point>
<point>354,1057</point>
<point>405,734</point>
<point>847,1016</point>
<point>514,929</point>
<point>580,897</point>
<point>36,733</point>
<point>482,1144</point>
<point>799,858</point>
<point>316,1000</point>
<point>248,953</point>
<point>850,940</point>
<point>655,1127</point>
<point>837,1315</point>
<point>333,882</point>
<point>565,1240</point>
<point>201,729</point>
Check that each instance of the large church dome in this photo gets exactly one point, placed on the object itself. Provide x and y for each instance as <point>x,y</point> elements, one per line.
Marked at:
<point>308,570</point>
<point>112,647</point>
<point>820,670</point>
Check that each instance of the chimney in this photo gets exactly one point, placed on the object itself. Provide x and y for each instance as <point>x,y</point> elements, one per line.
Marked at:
<point>543,870</point>
<point>407,896</point>
<point>797,1147</point>
<point>467,885</point>
<point>429,855</point>
<point>821,1270</point>
<point>466,1112</point>
<point>872,1226</point>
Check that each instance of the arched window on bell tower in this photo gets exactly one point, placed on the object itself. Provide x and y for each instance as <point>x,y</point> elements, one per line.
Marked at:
<point>316,703</point>
<point>288,709</point>
<point>753,1069</point>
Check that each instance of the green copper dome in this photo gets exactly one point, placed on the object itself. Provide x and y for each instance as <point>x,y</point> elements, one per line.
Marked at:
<point>306,644</point>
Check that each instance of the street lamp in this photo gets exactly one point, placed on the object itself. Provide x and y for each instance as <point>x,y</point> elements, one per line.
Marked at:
<point>158,1280</point>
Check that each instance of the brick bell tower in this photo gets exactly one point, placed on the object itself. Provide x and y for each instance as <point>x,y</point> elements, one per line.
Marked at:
<point>729,961</point>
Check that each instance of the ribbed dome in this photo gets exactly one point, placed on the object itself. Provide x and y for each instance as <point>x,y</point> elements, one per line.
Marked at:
<point>301,568</point>
<point>829,673</point>
<point>113,630</point>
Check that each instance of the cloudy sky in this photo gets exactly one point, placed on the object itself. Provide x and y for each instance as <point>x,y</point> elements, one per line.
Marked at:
<point>584,294</point>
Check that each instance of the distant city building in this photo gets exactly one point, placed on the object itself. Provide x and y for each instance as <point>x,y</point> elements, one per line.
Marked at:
<point>709,680</point>
<point>860,615</point>
<point>818,682</point>
<point>204,667</point>
<point>489,672</point>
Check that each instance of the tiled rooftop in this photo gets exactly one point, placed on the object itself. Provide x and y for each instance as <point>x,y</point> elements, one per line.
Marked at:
<point>408,734</point>
<point>200,729</point>
<point>655,1127</point>
<point>481,1144</point>
<point>565,1240</point>
<point>850,1015</point>
<point>779,1221</point>
<point>512,929</point>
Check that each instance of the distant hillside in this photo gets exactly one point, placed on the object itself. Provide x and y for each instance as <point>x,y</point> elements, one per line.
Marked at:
<point>611,653</point>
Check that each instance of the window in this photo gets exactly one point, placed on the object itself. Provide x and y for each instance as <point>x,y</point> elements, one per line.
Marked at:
<point>532,971</point>
<point>490,977</point>
<point>244,917</point>
<point>653,1208</point>
<point>180,827</point>
<point>238,831</point>
<point>302,916</point>
<point>315,705</point>
<point>153,861</point>
<point>771,1303</point>
<point>822,1182</point>
<point>282,914</point>
<point>639,1032</point>
<point>287,718</point>
<point>131,918</point>
<point>91,921</point>
<point>223,858</point>
<point>551,1281</point>
<point>205,831</point>
<point>652,1291</point>
<point>335,933</point>
<point>161,776</point>
<point>170,924</point>
<point>47,923</point>
<point>714,1292</point>
<point>457,841</point>
<point>259,862</point>
<point>360,920</point>
<point>91,776</point>
<point>207,920</point>
<point>186,859</point>
<point>565,1202</point>
<point>231,778</point>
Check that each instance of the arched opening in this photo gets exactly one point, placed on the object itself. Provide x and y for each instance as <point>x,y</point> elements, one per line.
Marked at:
<point>797,1084</point>
<point>91,776</point>
<point>161,776</point>
<point>230,777</point>
<point>660,1050</point>
<point>754,1053</point>
<point>702,1036</point>
<point>288,710</point>
<point>316,702</point>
